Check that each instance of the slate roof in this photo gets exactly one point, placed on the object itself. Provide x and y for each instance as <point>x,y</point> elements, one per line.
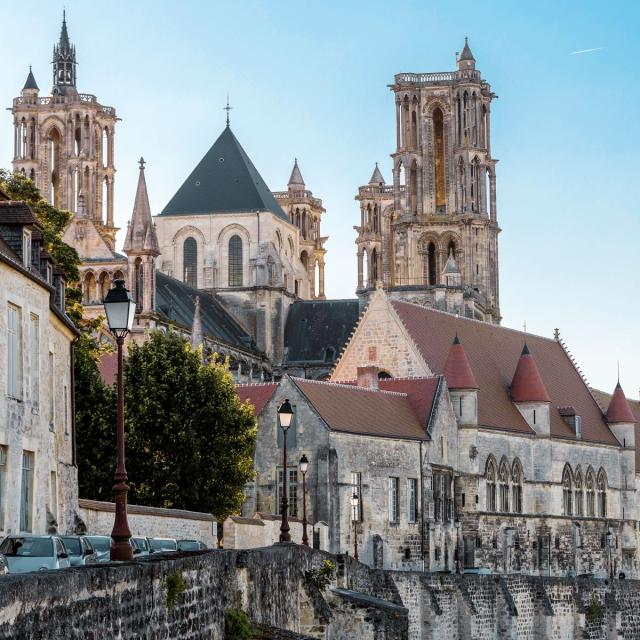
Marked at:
<point>493,353</point>
<point>224,181</point>
<point>313,326</point>
<point>31,82</point>
<point>17,212</point>
<point>177,300</point>
<point>257,394</point>
<point>466,51</point>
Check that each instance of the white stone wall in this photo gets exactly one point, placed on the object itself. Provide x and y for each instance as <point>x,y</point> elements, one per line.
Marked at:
<point>42,425</point>
<point>151,522</point>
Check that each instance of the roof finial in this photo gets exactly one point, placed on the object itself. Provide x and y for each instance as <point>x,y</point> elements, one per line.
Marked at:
<point>618,363</point>
<point>524,326</point>
<point>141,162</point>
<point>227,108</point>
<point>556,334</point>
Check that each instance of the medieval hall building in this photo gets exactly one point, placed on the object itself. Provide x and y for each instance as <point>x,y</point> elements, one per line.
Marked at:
<point>467,443</point>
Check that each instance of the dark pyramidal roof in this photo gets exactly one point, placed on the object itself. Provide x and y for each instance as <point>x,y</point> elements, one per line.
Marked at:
<point>225,181</point>
<point>31,81</point>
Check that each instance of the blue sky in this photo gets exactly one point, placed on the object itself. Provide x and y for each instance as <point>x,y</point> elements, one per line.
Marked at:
<point>309,80</point>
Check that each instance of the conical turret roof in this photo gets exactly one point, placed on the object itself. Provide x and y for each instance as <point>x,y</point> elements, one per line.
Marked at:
<point>527,385</point>
<point>466,52</point>
<point>31,82</point>
<point>376,176</point>
<point>457,370</point>
<point>296,177</point>
<point>141,234</point>
<point>619,409</point>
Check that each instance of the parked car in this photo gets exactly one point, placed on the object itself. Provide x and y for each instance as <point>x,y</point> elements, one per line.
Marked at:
<point>102,546</point>
<point>163,545</point>
<point>80,550</point>
<point>4,565</point>
<point>191,545</point>
<point>140,546</point>
<point>26,553</point>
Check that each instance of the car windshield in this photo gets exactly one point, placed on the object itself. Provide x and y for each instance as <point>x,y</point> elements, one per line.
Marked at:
<point>159,544</point>
<point>72,545</point>
<point>101,543</point>
<point>31,547</point>
<point>189,545</point>
<point>140,543</point>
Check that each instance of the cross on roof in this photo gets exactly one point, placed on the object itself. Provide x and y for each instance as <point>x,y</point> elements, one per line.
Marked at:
<point>227,109</point>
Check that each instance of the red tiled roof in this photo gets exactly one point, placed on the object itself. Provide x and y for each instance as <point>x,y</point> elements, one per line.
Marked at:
<point>389,414</point>
<point>527,385</point>
<point>619,409</point>
<point>257,394</point>
<point>493,352</point>
<point>456,370</point>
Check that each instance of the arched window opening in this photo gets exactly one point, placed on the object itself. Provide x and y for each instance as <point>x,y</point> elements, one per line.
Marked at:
<point>487,191</point>
<point>77,141</point>
<point>291,249</point>
<point>376,219</point>
<point>474,133</point>
<point>430,264</point>
<point>304,224</point>
<point>279,241</point>
<point>138,283</point>
<point>578,494</point>
<point>461,190</point>
<point>473,187</point>
<point>465,118</point>
<point>602,494</point>
<point>503,478</point>
<point>367,216</point>
<point>105,199</point>
<point>55,159</point>
<point>413,188</point>
<point>438,137</point>
<point>316,278</point>
<point>414,129</point>
<point>384,375</point>
<point>490,476</point>
<point>73,191</point>
<point>590,485</point>
<point>567,491</point>
<point>405,123</point>
<point>374,267</point>
<point>304,258</point>
<point>451,248</point>
<point>485,142</point>
<point>105,147</point>
<point>235,261</point>
<point>190,262</point>
<point>516,487</point>
<point>90,293</point>
<point>86,190</point>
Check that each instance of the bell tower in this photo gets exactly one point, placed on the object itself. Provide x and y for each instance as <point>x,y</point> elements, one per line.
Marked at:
<point>64,141</point>
<point>442,203</point>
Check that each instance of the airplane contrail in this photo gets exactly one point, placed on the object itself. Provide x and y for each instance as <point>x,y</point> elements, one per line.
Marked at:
<point>576,53</point>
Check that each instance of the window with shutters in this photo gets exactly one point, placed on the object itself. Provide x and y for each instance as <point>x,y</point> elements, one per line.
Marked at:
<point>235,261</point>
<point>394,504</point>
<point>14,352</point>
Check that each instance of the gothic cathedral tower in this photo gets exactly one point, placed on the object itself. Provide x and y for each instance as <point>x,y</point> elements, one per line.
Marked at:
<point>432,237</point>
<point>64,142</point>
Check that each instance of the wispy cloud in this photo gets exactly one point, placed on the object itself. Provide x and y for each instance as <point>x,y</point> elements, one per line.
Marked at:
<point>577,53</point>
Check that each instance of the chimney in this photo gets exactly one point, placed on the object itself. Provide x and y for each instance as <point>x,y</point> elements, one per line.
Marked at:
<point>368,377</point>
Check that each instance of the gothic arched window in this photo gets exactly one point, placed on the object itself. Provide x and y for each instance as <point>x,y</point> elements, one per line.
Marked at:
<point>235,261</point>
<point>503,478</point>
<point>490,476</point>
<point>138,281</point>
<point>602,494</point>
<point>516,487</point>
<point>567,491</point>
<point>578,494</point>
<point>430,259</point>
<point>374,267</point>
<point>190,262</point>
<point>438,139</point>
<point>590,485</point>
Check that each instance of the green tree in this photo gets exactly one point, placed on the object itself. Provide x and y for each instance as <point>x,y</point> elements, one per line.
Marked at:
<point>189,438</point>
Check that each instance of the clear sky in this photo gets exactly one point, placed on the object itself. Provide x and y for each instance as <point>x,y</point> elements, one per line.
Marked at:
<point>310,80</point>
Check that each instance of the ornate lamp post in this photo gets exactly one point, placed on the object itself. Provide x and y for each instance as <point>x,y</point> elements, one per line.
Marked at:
<point>285,416</point>
<point>355,501</point>
<point>120,310</point>
<point>303,465</point>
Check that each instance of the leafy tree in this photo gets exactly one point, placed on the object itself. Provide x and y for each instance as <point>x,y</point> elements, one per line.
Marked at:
<point>189,438</point>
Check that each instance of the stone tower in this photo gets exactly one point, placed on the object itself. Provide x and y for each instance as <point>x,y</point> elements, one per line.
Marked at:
<point>442,203</point>
<point>64,141</point>
<point>141,248</point>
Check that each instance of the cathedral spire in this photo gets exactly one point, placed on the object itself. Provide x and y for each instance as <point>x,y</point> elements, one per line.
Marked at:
<point>141,234</point>
<point>64,61</point>
<point>466,59</point>
<point>296,177</point>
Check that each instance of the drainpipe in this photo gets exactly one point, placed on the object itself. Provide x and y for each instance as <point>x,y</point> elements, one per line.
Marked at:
<point>421,508</point>
<point>72,400</point>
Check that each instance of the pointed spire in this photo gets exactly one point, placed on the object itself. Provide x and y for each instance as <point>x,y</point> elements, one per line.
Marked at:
<point>30,83</point>
<point>451,266</point>
<point>376,177</point>
<point>457,371</point>
<point>527,385</point>
<point>296,177</point>
<point>141,233</point>
<point>466,51</point>
<point>64,60</point>
<point>196,328</point>
<point>619,409</point>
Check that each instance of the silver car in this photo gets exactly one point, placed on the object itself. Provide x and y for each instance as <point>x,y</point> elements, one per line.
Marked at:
<point>26,553</point>
<point>163,545</point>
<point>80,550</point>
<point>191,545</point>
<point>140,546</point>
<point>102,546</point>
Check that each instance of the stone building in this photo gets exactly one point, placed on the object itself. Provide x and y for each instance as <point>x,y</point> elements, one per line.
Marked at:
<point>38,476</point>
<point>432,236</point>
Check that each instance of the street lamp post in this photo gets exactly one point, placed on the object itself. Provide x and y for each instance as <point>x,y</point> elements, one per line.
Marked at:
<point>304,466</point>
<point>355,501</point>
<point>285,416</point>
<point>120,310</point>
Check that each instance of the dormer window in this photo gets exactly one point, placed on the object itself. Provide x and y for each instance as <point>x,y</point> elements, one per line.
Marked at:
<point>26,248</point>
<point>578,426</point>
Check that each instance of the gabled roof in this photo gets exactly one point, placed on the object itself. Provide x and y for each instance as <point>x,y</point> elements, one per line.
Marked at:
<point>177,301</point>
<point>493,352</point>
<point>527,385</point>
<point>619,409</point>
<point>315,326</point>
<point>257,394</point>
<point>224,181</point>
<point>352,409</point>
